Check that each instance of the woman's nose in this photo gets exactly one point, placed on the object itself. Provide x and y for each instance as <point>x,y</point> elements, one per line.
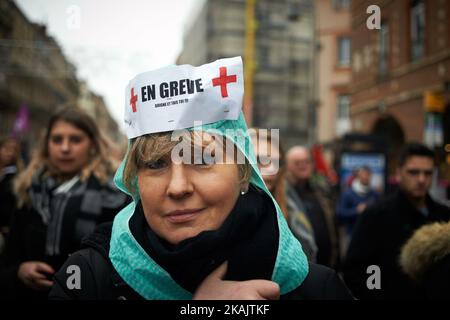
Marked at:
<point>180,184</point>
<point>65,145</point>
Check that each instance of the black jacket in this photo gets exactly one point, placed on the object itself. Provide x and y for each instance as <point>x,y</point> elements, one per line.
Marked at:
<point>7,198</point>
<point>100,281</point>
<point>378,237</point>
<point>27,237</point>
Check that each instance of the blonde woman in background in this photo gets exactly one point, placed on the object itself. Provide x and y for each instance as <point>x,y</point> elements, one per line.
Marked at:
<point>65,191</point>
<point>275,180</point>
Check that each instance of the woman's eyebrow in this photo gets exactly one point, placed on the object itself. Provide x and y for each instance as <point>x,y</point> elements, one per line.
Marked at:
<point>152,158</point>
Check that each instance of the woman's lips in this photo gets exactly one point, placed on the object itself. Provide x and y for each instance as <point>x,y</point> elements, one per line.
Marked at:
<point>182,216</point>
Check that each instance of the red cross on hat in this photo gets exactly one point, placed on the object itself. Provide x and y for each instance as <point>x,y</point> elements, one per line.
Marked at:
<point>133,100</point>
<point>223,80</point>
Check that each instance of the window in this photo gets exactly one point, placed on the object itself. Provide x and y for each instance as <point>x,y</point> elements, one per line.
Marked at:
<point>343,52</point>
<point>341,4</point>
<point>417,29</point>
<point>343,106</point>
<point>263,55</point>
<point>343,115</point>
<point>383,54</point>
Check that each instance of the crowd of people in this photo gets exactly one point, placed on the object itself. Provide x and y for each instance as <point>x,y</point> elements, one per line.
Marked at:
<point>59,198</point>
<point>156,228</point>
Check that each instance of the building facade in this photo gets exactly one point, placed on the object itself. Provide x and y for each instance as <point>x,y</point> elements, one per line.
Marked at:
<point>401,75</point>
<point>333,30</point>
<point>284,59</point>
<point>33,70</point>
<point>95,106</point>
<point>398,68</point>
<point>35,73</point>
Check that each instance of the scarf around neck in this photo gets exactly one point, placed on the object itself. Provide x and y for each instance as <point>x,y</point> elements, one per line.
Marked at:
<point>46,189</point>
<point>249,239</point>
<point>151,281</point>
<point>359,188</point>
<point>49,198</point>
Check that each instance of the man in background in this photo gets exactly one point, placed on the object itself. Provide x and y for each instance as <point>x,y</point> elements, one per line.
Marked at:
<point>354,200</point>
<point>318,205</point>
<point>382,230</point>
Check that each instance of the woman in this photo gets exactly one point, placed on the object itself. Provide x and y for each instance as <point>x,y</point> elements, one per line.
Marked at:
<point>62,195</point>
<point>198,226</point>
<point>425,258</point>
<point>273,170</point>
<point>10,165</point>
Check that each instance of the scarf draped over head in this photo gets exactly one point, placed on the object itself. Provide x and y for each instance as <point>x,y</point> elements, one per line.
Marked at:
<point>149,272</point>
<point>141,272</point>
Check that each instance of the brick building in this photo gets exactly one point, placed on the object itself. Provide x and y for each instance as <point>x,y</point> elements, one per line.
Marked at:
<point>401,73</point>
<point>333,31</point>
<point>35,72</point>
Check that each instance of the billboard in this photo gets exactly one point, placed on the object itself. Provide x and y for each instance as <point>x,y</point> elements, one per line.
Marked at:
<point>351,161</point>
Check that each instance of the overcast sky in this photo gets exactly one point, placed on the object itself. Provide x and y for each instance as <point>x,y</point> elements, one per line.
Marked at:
<point>110,41</point>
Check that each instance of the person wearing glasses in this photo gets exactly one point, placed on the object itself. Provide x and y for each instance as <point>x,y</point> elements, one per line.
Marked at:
<point>372,269</point>
<point>202,223</point>
<point>273,171</point>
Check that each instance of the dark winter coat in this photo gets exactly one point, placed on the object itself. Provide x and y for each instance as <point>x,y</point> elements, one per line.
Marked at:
<point>378,237</point>
<point>7,198</point>
<point>346,210</point>
<point>100,281</point>
<point>319,209</point>
<point>28,234</point>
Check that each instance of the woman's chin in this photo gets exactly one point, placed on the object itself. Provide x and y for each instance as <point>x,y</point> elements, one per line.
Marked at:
<point>177,237</point>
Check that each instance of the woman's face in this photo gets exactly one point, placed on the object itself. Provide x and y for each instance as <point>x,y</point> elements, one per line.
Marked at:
<point>8,152</point>
<point>268,162</point>
<point>68,148</point>
<point>181,200</point>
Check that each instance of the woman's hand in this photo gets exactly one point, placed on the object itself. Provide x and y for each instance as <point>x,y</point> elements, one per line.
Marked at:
<point>34,274</point>
<point>215,288</point>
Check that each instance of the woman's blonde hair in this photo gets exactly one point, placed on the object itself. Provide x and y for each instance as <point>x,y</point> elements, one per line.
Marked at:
<point>152,147</point>
<point>98,165</point>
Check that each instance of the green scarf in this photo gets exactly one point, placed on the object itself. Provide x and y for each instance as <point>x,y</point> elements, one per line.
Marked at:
<point>151,281</point>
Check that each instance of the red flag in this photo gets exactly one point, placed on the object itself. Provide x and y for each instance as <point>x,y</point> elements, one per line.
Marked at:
<point>321,165</point>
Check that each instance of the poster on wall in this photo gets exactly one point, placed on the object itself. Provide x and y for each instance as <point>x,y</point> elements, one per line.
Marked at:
<point>351,161</point>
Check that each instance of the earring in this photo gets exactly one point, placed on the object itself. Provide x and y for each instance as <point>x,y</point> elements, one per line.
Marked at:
<point>242,193</point>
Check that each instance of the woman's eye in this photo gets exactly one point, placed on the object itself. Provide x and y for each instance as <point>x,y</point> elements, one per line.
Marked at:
<point>154,165</point>
<point>75,139</point>
<point>56,139</point>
